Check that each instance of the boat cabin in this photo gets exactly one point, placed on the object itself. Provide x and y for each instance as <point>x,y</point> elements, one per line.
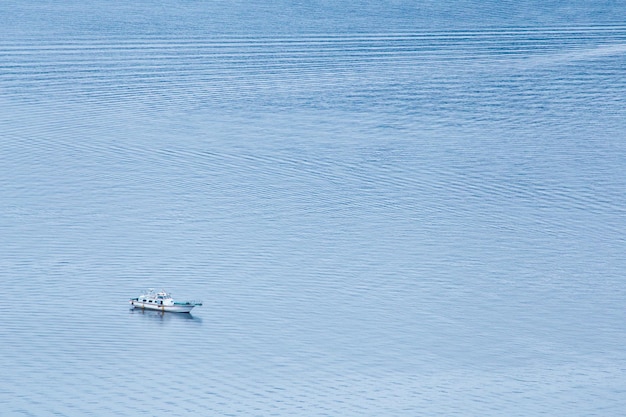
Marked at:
<point>160,298</point>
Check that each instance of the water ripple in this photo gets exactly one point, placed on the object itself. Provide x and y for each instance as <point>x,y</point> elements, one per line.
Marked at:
<point>378,222</point>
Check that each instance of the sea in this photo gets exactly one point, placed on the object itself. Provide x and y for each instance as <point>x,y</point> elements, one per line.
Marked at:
<point>388,208</point>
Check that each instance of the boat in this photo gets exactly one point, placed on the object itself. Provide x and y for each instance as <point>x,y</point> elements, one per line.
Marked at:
<point>162,301</point>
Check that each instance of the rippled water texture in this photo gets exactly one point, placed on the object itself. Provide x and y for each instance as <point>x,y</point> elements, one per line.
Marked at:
<point>387,209</point>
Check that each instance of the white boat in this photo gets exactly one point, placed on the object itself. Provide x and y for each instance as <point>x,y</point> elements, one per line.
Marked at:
<point>162,301</point>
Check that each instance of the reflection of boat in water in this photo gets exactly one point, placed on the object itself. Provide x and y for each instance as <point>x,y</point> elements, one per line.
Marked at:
<point>163,316</point>
<point>162,301</point>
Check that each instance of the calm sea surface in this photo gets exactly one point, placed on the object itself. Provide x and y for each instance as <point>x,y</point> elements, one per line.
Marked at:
<point>388,209</point>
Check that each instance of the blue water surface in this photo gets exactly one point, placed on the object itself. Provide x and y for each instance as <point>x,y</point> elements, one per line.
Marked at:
<point>388,208</point>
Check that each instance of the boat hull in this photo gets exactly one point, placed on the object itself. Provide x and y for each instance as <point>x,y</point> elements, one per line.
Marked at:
<point>176,308</point>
